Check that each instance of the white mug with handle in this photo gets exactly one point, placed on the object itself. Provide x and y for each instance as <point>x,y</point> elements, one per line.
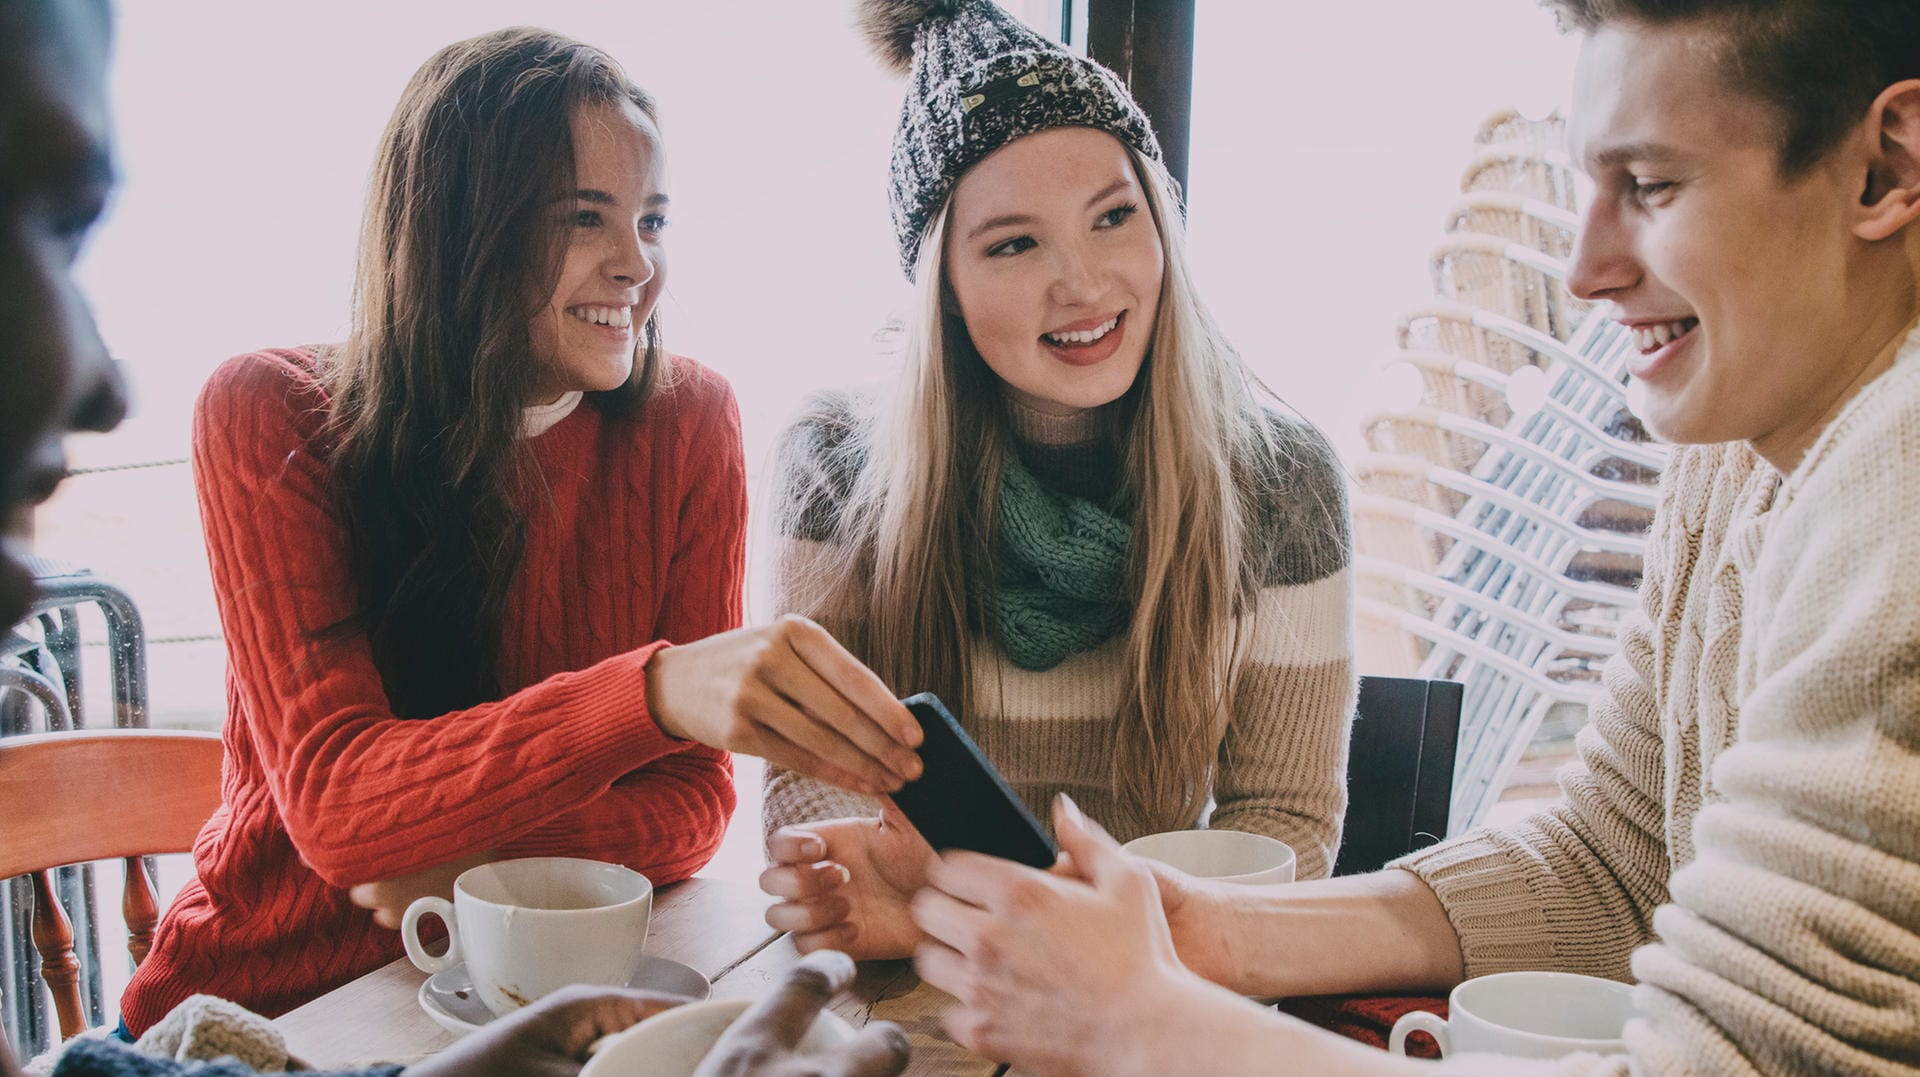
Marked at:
<point>1525,1015</point>
<point>526,928</point>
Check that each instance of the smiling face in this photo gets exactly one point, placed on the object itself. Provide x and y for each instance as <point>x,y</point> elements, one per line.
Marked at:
<point>55,174</point>
<point>1055,264</point>
<point>614,264</point>
<point>1754,302</point>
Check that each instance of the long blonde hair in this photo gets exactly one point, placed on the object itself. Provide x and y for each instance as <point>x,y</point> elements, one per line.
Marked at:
<point>912,551</point>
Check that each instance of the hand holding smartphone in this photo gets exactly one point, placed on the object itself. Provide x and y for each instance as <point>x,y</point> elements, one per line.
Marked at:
<point>960,801</point>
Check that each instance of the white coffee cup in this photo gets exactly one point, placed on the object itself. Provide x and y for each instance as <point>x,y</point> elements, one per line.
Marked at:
<point>527,928</point>
<point>672,1044</point>
<point>1526,1015</point>
<point>1232,856</point>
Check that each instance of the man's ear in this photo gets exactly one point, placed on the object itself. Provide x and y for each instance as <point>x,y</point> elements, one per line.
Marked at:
<point>1892,198</point>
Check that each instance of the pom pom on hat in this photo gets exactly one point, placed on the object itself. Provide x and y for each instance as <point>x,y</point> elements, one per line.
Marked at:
<point>889,26</point>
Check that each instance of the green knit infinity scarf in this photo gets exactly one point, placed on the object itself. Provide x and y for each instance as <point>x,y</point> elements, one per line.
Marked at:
<point>1063,562</point>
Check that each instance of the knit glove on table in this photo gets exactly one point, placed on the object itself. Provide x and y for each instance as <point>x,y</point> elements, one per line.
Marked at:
<point>203,1037</point>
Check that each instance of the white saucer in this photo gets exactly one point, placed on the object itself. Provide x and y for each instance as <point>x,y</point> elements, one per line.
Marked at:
<point>449,998</point>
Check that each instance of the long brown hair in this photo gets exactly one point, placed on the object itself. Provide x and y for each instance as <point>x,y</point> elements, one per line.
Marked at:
<point>901,580</point>
<point>458,253</point>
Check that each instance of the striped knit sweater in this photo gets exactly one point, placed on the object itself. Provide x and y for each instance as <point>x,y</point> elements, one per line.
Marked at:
<point>1282,766</point>
<point>1741,831</point>
<point>636,538</point>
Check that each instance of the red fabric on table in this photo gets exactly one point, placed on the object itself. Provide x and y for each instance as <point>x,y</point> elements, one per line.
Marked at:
<point>1368,1018</point>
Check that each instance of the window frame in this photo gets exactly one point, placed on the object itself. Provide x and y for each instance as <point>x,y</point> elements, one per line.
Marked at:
<point>1149,44</point>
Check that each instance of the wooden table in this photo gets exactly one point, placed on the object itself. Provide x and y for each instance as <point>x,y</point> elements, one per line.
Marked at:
<point>713,925</point>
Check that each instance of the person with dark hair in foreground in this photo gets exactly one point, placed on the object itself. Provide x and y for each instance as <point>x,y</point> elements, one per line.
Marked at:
<point>1741,831</point>
<point>56,172</point>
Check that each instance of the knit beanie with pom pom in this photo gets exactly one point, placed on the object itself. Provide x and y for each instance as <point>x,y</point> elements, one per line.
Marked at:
<point>980,78</point>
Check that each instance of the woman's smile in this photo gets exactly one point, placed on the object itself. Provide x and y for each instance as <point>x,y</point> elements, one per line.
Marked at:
<point>1086,342</point>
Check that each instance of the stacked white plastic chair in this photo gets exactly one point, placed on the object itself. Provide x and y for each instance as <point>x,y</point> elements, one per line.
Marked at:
<point>1501,519</point>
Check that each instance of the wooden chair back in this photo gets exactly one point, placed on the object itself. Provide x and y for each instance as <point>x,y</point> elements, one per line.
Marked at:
<point>106,794</point>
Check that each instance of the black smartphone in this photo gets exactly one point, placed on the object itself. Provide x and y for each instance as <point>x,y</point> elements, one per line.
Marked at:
<point>961,802</point>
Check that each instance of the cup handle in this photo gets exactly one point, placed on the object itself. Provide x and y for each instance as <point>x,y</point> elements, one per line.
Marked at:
<point>1417,1021</point>
<point>410,934</point>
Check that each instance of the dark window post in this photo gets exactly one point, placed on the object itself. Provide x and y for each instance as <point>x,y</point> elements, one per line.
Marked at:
<point>1149,43</point>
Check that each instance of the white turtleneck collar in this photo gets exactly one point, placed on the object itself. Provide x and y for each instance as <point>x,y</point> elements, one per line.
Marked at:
<point>541,418</point>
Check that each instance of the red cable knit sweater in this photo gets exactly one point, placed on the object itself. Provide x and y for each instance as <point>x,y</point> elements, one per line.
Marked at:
<point>638,540</point>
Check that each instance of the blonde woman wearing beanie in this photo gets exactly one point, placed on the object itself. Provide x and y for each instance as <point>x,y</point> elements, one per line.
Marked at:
<point>1074,517</point>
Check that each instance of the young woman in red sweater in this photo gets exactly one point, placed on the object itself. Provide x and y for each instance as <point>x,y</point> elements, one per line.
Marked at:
<point>454,556</point>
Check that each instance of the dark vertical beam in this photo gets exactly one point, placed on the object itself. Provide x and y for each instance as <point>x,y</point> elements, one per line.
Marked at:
<point>1149,43</point>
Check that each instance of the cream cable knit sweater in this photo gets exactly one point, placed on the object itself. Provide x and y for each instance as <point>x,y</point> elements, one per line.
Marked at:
<point>1747,798</point>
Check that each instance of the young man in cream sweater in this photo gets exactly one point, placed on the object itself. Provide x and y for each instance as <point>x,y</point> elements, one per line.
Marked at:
<point>1741,834</point>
